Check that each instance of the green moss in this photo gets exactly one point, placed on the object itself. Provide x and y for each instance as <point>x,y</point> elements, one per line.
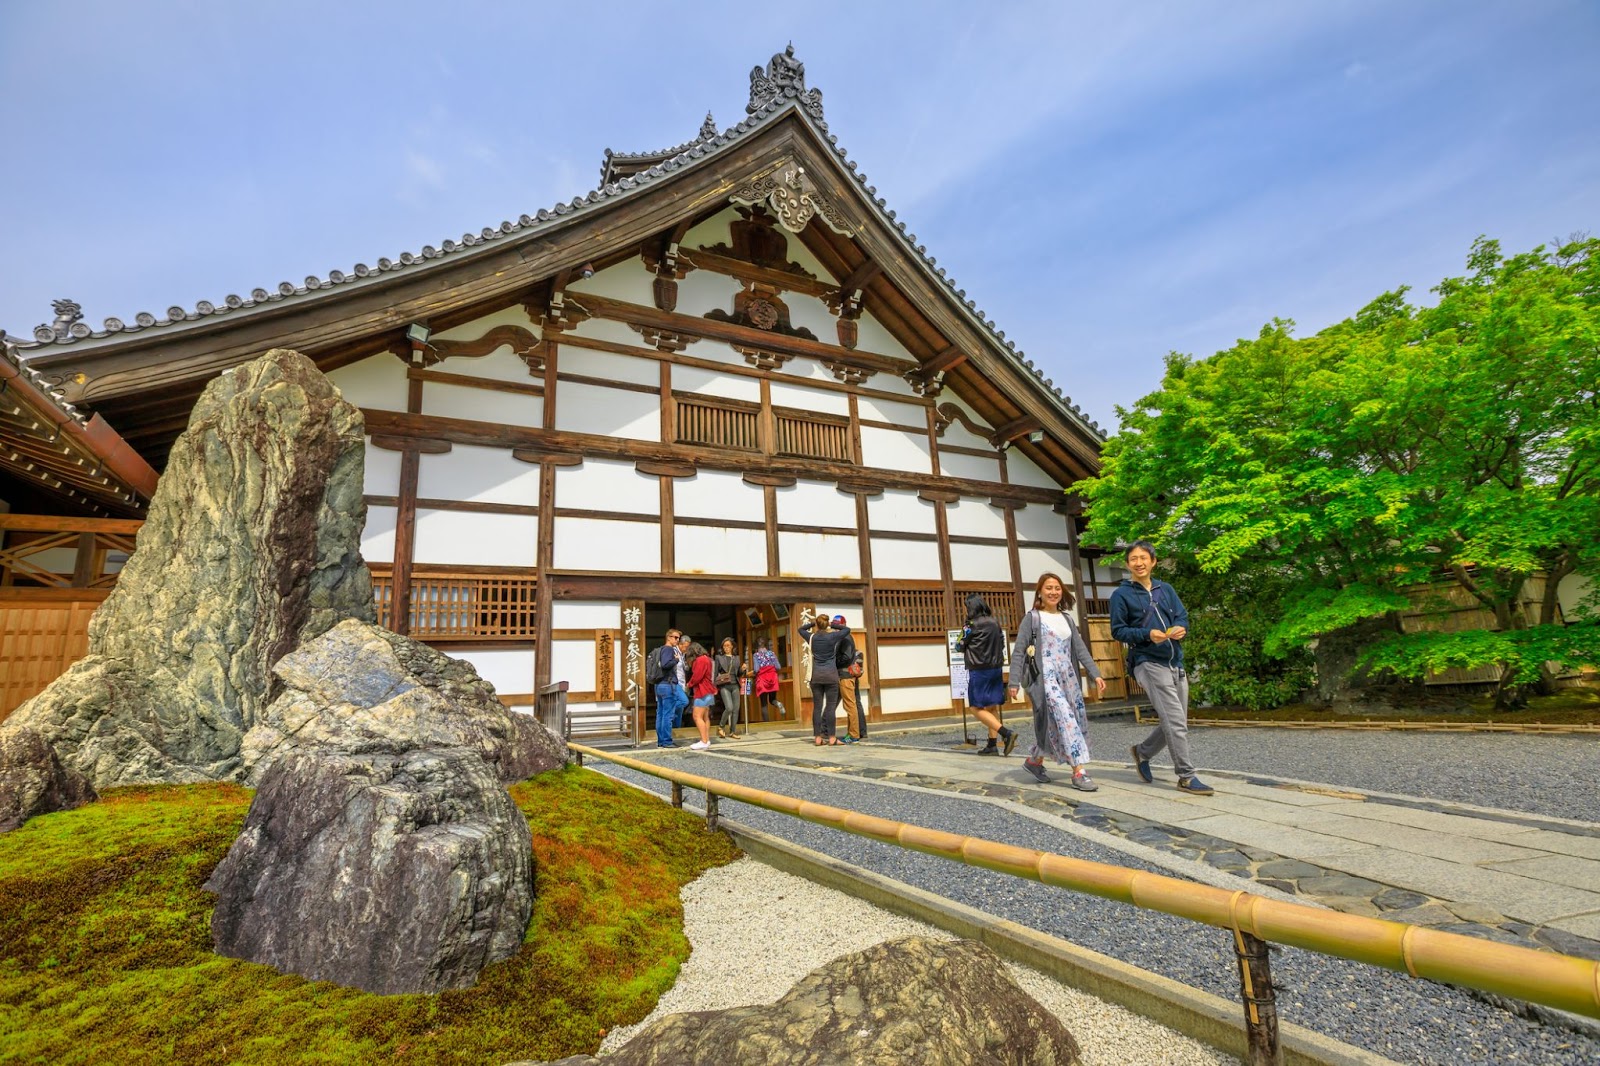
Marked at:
<point>105,944</point>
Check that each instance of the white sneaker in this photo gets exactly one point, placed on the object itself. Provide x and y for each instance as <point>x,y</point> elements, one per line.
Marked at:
<point>699,745</point>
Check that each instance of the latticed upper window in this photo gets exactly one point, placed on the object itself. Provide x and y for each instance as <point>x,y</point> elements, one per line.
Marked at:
<point>720,423</point>
<point>465,606</point>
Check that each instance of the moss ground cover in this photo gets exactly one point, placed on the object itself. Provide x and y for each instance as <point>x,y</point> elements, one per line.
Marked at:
<point>105,940</point>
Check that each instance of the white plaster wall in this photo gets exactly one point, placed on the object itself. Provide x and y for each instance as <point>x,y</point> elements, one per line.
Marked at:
<point>918,698</point>
<point>956,433</point>
<point>703,290</point>
<point>975,467</point>
<point>480,475</point>
<point>602,544</point>
<point>627,280</point>
<point>818,555</point>
<point>912,660</point>
<point>718,494</point>
<point>608,485</point>
<point>1038,522</point>
<point>378,381</point>
<point>509,670</point>
<point>811,312</point>
<point>1036,561</point>
<point>852,618</point>
<point>718,550</point>
<point>506,316</point>
<point>605,329</point>
<point>586,614</point>
<point>572,661</point>
<point>974,518</point>
<point>482,405</point>
<point>905,560</point>
<point>56,560</point>
<point>1022,471</point>
<point>382,474</point>
<point>890,449</point>
<point>979,562</point>
<point>901,510</point>
<point>609,412</point>
<point>871,336</point>
<point>637,370</point>
<point>475,539</point>
<point>901,414</point>
<point>798,396</point>
<point>724,386</point>
<point>499,365</point>
<point>814,503</point>
<point>1571,593</point>
<point>377,536</point>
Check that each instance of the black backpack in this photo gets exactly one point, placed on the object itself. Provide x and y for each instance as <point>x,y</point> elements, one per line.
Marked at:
<point>654,671</point>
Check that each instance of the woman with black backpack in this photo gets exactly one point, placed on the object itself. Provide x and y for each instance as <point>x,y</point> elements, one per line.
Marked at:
<point>983,648</point>
<point>824,640</point>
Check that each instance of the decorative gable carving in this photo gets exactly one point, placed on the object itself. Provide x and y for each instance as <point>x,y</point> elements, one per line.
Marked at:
<point>794,199</point>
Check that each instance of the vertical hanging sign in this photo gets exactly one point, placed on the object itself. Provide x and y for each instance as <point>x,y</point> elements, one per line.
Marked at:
<point>605,665</point>
<point>633,653</point>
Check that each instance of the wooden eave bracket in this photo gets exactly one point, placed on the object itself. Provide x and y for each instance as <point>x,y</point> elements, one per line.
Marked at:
<point>1017,427</point>
<point>664,468</point>
<point>938,496</point>
<point>542,455</point>
<point>779,481</point>
<point>1072,505</point>
<point>860,488</point>
<point>410,444</point>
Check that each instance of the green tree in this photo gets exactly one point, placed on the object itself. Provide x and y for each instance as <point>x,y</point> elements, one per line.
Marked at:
<point>1459,440</point>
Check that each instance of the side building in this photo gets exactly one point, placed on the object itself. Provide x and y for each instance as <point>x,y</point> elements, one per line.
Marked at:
<point>721,390</point>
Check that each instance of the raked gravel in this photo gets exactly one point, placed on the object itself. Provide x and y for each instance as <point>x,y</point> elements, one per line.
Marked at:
<point>739,960</point>
<point>1389,1013</point>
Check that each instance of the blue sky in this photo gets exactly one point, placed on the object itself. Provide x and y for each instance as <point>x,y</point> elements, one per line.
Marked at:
<point>1109,181</point>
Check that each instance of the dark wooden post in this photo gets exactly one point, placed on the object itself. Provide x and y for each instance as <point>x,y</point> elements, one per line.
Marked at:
<point>1260,1007</point>
<point>677,795</point>
<point>711,811</point>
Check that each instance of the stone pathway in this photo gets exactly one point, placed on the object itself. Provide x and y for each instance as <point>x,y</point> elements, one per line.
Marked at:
<point>1499,875</point>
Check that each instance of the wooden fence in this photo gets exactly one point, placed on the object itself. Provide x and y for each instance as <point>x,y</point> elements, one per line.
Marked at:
<point>42,632</point>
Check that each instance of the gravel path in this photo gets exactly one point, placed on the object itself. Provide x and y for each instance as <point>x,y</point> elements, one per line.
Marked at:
<point>742,962</point>
<point>1551,775</point>
<point>1404,1019</point>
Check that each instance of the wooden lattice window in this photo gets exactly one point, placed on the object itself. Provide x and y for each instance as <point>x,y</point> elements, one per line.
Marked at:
<point>909,611</point>
<point>465,606</point>
<point>720,423</point>
<point>812,435</point>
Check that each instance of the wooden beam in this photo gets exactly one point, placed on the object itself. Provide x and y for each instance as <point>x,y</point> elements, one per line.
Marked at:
<point>568,443</point>
<point>544,593</point>
<point>948,359</point>
<point>1017,427</point>
<point>859,277</point>
<point>782,280</point>
<point>769,498</point>
<point>698,588</point>
<point>664,468</point>
<point>733,333</point>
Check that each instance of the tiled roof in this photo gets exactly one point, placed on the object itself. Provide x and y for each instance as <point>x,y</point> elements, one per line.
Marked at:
<point>779,89</point>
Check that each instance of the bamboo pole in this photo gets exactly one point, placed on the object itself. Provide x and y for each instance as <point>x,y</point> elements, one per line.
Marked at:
<point>1544,977</point>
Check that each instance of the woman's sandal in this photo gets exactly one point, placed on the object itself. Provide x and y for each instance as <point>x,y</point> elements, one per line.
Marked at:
<point>833,740</point>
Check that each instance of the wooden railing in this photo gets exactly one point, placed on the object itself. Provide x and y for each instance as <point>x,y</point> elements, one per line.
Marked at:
<point>34,547</point>
<point>721,424</point>
<point>464,606</point>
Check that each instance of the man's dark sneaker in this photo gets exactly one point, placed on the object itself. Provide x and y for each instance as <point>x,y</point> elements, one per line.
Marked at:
<point>989,749</point>
<point>1142,764</point>
<point>1036,769</point>
<point>847,739</point>
<point>1084,783</point>
<point>668,744</point>
<point>1195,787</point>
<point>1008,737</point>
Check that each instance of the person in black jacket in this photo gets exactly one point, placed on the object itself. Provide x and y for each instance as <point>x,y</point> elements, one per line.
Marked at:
<point>983,647</point>
<point>824,640</point>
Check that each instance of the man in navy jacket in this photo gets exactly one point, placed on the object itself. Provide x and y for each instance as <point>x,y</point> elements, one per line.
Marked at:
<point>1148,617</point>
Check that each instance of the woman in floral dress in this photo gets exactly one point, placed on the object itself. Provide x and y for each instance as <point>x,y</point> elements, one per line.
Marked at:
<point>1045,661</point>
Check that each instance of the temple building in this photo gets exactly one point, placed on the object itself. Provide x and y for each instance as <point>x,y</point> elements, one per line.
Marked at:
<point>722,389</point>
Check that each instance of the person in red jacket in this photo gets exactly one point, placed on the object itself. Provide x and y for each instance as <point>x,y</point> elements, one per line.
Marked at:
<point>702,694</point>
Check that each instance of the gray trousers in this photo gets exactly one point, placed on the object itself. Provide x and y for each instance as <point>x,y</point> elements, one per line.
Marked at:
<point>1168,690</point>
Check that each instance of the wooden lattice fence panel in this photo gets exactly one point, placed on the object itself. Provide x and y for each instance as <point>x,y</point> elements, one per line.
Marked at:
<point>39,638</point>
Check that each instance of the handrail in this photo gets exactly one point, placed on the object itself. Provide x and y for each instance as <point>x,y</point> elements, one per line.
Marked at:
<point>1548,978</point>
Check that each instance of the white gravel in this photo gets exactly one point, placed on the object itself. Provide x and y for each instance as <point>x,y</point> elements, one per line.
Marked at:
<point>755,931</point>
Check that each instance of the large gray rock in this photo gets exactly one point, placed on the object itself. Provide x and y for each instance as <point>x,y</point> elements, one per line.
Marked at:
<point>386,872</point>
<point>915,1000</point>
<point>33,781</point>
<point>251,546</point>
<point>359,688</point>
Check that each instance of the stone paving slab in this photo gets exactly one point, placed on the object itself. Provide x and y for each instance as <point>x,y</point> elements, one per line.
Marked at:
<point>1562,843</point>
<point>1455,824</point>
<point>1525,898</point>
<point>1562,869</point>
<point>1455,847</point>
<point>1290,841</point>
<point>1585,925</point>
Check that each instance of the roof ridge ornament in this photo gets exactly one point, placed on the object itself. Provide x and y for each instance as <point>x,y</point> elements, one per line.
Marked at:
<point>793,199</point>
<point>785,76</point>
<point>708,128</point>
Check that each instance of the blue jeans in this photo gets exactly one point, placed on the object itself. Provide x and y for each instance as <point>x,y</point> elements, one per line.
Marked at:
<point>671,699</point>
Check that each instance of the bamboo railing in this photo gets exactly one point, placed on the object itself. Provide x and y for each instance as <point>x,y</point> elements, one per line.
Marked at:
<point>1544,977</point>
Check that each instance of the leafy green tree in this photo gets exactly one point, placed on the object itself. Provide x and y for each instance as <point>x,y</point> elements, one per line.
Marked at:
<point>1401,446</point>
<point>1230,616</point>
